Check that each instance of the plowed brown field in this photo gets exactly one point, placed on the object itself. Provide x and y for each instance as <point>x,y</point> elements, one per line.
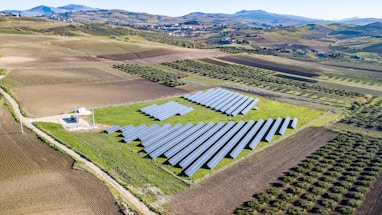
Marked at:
<point>373,202</point>
<point>36,179</point>
<point>224,192</point>
<point>45,100</point>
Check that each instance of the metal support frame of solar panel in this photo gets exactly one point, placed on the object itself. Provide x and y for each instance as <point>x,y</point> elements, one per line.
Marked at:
<point>127,130</point>
<point>166,110</point>
<point>231,103</point>
<point>205,144</point>
<point>132,134</point>
<point>207,97</point>
<point>284,126</point>
<point>273,129</point>
<point>166,139</point>
<point>127,127</point>
<point>232,142</point>
<point>202,95</point>
<point>259,136</point>
<point>236,106</point>
<point>136,134</point>
<point>185,111</point>
<point>226,101</point>
<point>194,143</point>
<point>210,150</point>
<point>163,134</point>
<point>180,145</point>
<point>164,147</point>
<point>242,106</point>
<point>218,99</point>
<point>223,100</point>
<point>294,123</point>
<point>210,96</point>
<point>154,133</point>
<point>112,129</point>
<point>249,107</point>
<point>246,139</point>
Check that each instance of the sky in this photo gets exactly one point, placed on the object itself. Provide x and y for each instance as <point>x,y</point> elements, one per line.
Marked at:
<point>321,9</point>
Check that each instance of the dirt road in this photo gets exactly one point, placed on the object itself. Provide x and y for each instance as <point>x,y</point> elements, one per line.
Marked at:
<point>123,192</point>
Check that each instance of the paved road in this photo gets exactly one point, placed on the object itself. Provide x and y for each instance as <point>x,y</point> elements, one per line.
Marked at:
<point>100,173</point>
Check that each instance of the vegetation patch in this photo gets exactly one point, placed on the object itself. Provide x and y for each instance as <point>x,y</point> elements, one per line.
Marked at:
<point>119,161</point>
<point>368,116</point>
<point>253,76</point>
<point>334,179</point>
<point>153,74</point>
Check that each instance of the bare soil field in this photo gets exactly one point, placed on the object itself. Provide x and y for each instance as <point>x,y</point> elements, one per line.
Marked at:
<point>33,77</point>
<point>373,202</point>
<point>46,100</point>
<point>41,51</point>
<point>227,190</point>
<point>255,62</point>
<point>50,74</point>
<point>214,61</point>
<point>138,55</point>
<point>36,179</point>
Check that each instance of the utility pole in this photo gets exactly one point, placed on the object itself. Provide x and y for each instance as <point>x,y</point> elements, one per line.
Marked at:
<point>93,117</point>
<point>21,124</point>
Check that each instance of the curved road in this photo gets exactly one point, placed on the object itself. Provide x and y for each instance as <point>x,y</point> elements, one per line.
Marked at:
<point>100,173</point>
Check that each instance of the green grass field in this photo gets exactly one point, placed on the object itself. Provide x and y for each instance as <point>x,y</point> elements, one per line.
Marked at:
<point>130,114</point>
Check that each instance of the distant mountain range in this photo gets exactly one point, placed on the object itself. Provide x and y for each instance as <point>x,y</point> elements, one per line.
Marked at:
<point>43,10</point>
<point>247,17</point>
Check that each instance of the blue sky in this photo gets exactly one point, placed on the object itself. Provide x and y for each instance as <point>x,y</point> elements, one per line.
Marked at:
<point>323,9</point>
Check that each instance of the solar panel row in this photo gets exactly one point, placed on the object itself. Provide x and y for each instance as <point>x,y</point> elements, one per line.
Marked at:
<point>162,149</point>
<point>112,129</point>
<point>192,146</point>
<point>166,139</point>
<point>284,126</point>
<point>274,127</point>
<point>245,140</point>
<point>188,149</point>
<point>205,145</point>
<point>294,123</point>
<point>223,100</point>
<point>165,111</point>
<point>230,145</point>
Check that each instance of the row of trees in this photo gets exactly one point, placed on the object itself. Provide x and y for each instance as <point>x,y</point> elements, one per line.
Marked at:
<point>367,116</point>
<point>152,74</point>
<point>335,178</point>
<point>250,75</point>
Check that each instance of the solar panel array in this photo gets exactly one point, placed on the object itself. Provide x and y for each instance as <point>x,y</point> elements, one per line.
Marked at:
<point>165,111</point>
<point>193,146</point>
<point>223,100</point>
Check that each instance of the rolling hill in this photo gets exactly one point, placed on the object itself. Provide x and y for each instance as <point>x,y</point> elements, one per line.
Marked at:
<point>248,17</point>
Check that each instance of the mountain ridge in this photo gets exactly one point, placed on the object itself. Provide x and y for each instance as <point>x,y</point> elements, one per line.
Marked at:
<point>254,17</point>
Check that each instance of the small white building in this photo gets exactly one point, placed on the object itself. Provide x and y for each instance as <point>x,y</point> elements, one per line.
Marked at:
<point>81,110</point>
